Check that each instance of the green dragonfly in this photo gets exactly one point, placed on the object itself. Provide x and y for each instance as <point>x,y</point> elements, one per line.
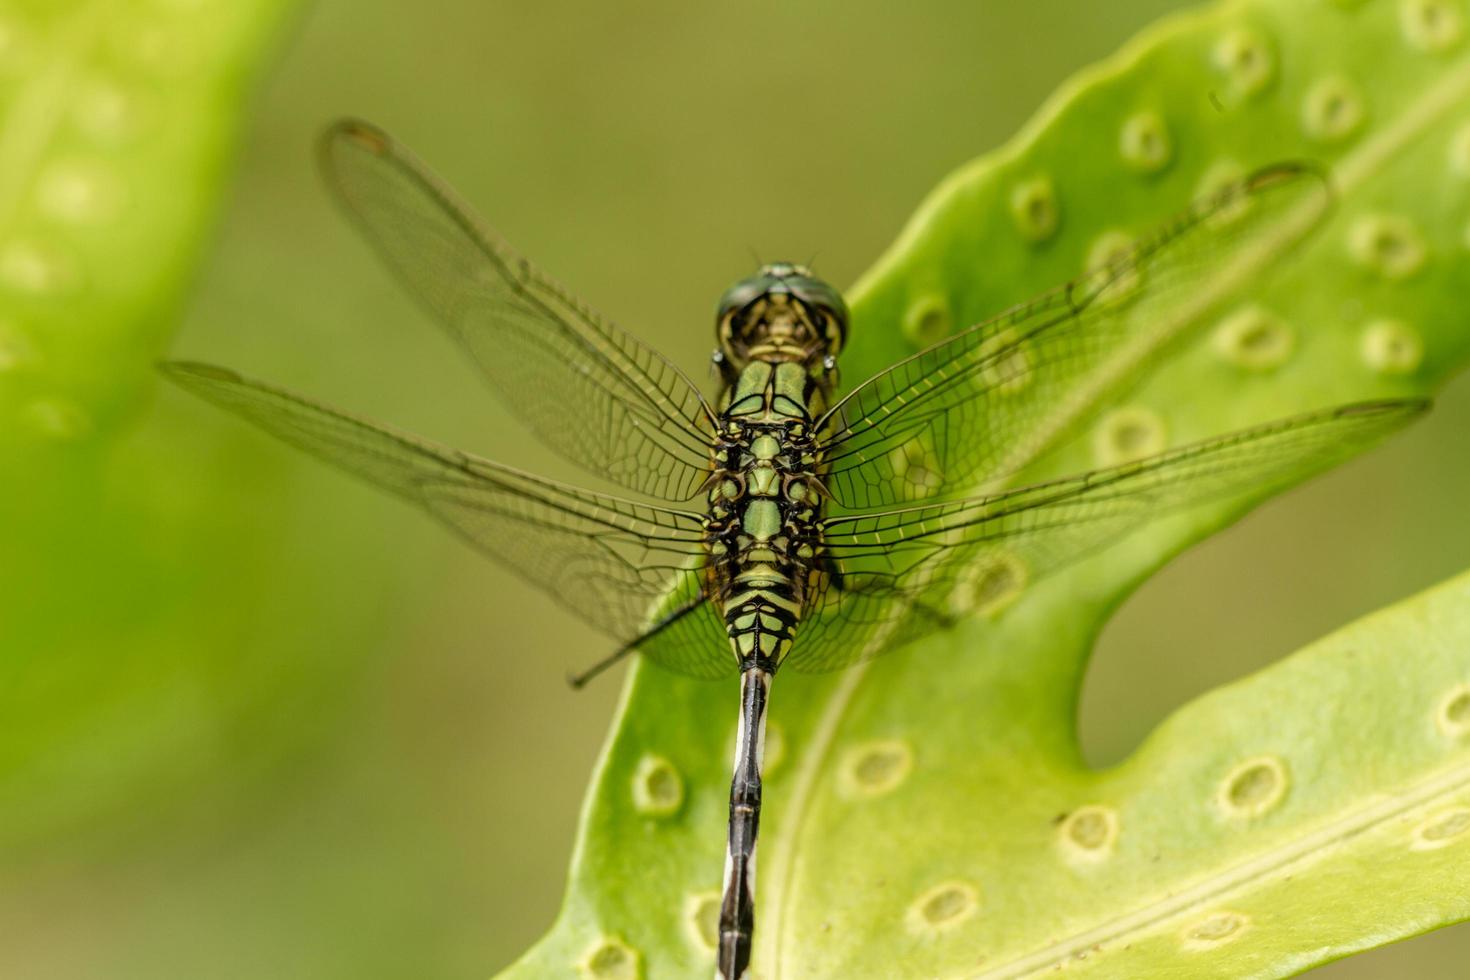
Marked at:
<point>808,536</point>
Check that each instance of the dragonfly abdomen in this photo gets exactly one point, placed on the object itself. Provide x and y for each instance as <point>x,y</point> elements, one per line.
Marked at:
<point>760,575</point>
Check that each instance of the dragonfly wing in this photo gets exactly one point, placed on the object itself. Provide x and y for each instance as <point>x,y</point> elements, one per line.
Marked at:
<point>897,575</point>
<point>691,639</point>
<point>610,561</point>
<point>988,400</point>
<point>584,386</point>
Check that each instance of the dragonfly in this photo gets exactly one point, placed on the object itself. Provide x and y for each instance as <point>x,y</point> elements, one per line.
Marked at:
<point>778,523</point>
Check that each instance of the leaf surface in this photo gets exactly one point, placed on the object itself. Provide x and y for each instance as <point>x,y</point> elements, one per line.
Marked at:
<point>932,809</point>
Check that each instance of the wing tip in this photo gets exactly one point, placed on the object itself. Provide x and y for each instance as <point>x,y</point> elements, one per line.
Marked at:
<point>359,133</point>
<point>1386,407</point>
<point>350,134</point>
<point>1285,173</point>
<point>197,370</point>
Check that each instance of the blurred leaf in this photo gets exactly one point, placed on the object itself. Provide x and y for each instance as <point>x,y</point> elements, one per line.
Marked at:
<point>1285,821</point>
<point>120,122</point>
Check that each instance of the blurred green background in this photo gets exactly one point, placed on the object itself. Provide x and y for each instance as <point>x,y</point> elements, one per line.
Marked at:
<point>262,721</point>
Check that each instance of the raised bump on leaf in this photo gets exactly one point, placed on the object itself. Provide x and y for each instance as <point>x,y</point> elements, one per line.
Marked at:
<point>658,789</point>
<point>1392,347</point>
<point>927,320</point>
<point>942,907</point>
<point>702,920</point>
<point>57,418</point>
<point>1333,110</point>
<point>1126,434</point>
<point>1254,787</point>
<point>1431,25</point>
<point>1145,144</point>
<point>875,768</point>
<point>610,959</point>
<point>1388,244</point>
<point>1441,830</point>
<point>1246,59</point>
<point>79,193</point>
<point>1214,929</point>
<point>1035,210</point>
<point>108,114</point>
<point>1089,833</point>
<point>1254,338</point>
<point>1453,714</point>
<point>31,268</point>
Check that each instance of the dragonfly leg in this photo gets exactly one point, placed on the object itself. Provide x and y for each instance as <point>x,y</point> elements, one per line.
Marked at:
<point>580,679</point>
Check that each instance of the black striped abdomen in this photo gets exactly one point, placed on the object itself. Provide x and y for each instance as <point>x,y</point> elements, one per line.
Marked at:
<point>761,613</point>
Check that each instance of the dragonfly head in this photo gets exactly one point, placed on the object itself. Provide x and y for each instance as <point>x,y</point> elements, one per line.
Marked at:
<point>781,313</point>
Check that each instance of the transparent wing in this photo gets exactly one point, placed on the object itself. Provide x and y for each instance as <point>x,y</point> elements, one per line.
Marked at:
<point>983,403</point>
<point>586,388</point>
<point>695,642</point>
<point>897,575</point>
<point>610,561</point>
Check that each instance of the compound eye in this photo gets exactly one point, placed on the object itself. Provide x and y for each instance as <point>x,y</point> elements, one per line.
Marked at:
<point>736,297</point>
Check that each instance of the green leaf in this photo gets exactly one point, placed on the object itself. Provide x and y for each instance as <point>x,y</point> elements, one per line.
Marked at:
<point>932,808</point>
<point>120,123</point>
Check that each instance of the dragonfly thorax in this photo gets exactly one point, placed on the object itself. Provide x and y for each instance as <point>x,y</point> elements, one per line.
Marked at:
<point>782,313</point>
<point>762,532</point>
<point>765,500</point>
